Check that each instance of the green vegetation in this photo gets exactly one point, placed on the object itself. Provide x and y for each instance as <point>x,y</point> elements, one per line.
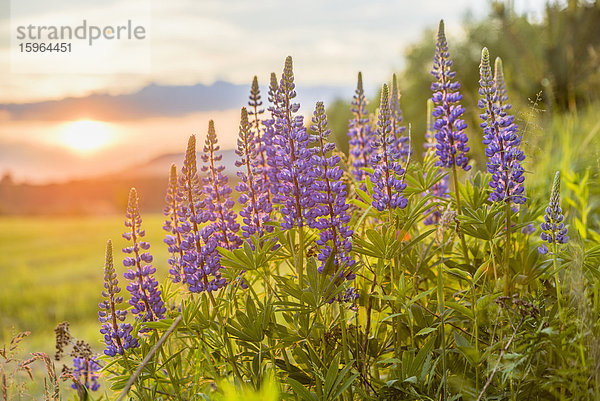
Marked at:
<point>52,270</point>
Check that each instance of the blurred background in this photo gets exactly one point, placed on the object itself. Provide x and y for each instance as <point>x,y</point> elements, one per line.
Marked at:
<point>71,145</point>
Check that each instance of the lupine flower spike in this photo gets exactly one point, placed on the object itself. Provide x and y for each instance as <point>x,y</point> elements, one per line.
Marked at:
<point>396,112</point>
<point>257,208</point>
<point>451,146</point>
<point>86,370</point>
<point>500,135</point>
<point>330,213</point>
<point>359,132</point>
<point>553,228</point>
<point>145,296</point>
<point>270,147</point>
<point>440,188</point>
<point>117,335</point>
<point>293,155</point>
<point>173,226</point>
<point>217,203</point>
<point>200,257</point>
<point>388,177</point>
<point>256,125</point>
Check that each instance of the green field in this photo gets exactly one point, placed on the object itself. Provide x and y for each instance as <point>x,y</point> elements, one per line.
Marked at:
<point>52,271</point>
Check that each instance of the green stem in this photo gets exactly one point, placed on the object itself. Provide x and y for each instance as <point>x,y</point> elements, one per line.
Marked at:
<point>300,266</point>
<point>459,209</point>
<point>476,330</point>
<point>507,286</point>
<point>226,339</point>
<point>442,309</point>
<point>557,280</point>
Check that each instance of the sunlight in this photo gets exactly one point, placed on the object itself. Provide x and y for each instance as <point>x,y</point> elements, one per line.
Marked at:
<point>86,136</point>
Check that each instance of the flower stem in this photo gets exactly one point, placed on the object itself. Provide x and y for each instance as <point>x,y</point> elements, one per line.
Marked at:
<point>442,309</point>
<point>461,236</point>
<point>300,266</point>
<point>557,280</point>
<point>507,286</point>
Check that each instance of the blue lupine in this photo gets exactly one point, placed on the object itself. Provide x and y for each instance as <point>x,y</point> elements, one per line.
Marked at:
<point>500,136</point>
<point>292,155</point>
<point>451,146</point>
<point>217,202</point>
<point>257,210</point>
<point>553,228</point>
<point>86,370</point>
<point>145,298</point>
<point>388,175</point>
<point>397,128</point>
<point>258,128</point>
<point>269,146</point>
<point>359,132</point>
<point>172,227</point>
<point>440,188</point>
<point>201,263</point>
<point>329,214</point>
<point>117,334</point>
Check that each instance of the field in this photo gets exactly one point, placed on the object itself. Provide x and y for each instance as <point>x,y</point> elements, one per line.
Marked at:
<point>52,270</point>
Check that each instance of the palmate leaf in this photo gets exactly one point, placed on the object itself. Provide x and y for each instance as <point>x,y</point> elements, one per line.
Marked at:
<point>476,191</point>
<point>248,259</point>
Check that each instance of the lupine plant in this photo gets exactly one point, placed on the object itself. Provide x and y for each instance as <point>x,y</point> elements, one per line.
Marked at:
<point>359,132</point>
<point>388,174</point>
<point>145,297</point>
<point>375,282</point>
<point>503,145</point>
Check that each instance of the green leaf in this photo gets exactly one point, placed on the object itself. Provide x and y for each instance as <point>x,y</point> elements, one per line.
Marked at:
<point>461,309</point>
<point>300,390</point>
<point>426,331</point>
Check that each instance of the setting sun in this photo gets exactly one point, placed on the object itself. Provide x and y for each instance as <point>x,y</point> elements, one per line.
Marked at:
<point>86,135</point>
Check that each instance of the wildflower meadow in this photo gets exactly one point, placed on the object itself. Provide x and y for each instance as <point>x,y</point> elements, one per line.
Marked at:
<point>401,270</point>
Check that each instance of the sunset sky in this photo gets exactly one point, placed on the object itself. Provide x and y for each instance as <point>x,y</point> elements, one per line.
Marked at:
<point>111,105</point>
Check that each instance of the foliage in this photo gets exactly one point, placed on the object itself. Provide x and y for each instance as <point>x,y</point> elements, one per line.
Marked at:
<point>337,289</point>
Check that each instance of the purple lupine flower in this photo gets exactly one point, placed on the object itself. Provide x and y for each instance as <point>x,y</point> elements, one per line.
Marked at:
<point>553,228</point>
<point>292,155</point>
<point>217,203</point>
<point>172,227</point>
<point>359,132</point>
<point>440,188</point>
<point>388,175</point>
<point>451,147</point>
<point>500,135</point>
<point>397,128</point>
<point>349,296</point>
<point>252,194</point>
<point>86,370</point>
<point>269,146</point>
<point>330,211</point>
<point>117,334</point>
<point>145,298</point>
<point>257,126</point>
<point>201,263</point>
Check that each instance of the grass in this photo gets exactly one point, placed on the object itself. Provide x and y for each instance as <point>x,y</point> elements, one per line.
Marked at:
<point>52,271</point>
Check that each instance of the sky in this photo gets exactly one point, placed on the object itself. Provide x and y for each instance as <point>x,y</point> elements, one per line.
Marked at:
<point>149,94</point>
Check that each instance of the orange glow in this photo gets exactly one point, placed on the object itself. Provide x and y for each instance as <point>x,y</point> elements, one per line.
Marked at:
<point>86,136</point>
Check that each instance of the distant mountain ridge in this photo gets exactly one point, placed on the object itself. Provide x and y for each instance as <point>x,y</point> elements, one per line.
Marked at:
<point>157,100</point>
<point>101,195</point>
<point>160,166</point>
